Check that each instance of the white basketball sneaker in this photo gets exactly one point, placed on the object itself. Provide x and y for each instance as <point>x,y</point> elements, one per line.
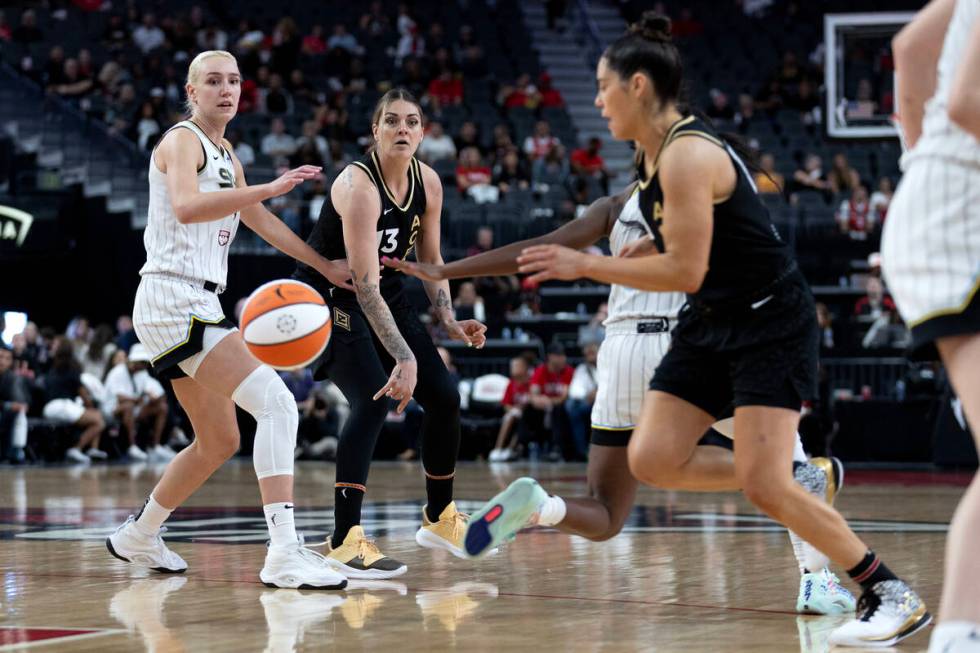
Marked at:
<point>129,545</point>
<point>296,567</point>
<point>887,613</point>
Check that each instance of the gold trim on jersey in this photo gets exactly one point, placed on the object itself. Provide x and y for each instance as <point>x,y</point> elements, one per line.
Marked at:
<point>381,178</point>
<point>943,312</point>
<point>190,330</point>
<point>667,139</point>
<point>612,428</point>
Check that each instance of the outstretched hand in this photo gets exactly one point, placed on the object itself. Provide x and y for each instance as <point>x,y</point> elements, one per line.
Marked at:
<point>551,262</point>
<point>423,271</point>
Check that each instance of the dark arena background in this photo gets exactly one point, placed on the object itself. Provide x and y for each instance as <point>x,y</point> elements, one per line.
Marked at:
<point>87,87</point>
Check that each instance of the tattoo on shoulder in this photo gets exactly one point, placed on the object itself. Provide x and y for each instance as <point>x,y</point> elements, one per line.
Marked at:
<point>348,178</point>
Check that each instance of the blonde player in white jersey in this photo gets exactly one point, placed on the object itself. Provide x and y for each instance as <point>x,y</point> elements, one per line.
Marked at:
<point>637,337</point>
<point>931,253</point>
<point>197,196</point>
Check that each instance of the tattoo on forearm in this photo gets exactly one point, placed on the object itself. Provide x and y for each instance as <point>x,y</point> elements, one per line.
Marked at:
<point>380,318</point>
<point>443,304</point>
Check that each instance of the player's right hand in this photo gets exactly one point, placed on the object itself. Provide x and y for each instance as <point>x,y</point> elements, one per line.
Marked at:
<point>293,178</point>
<point>401,384</point>
<point>424,271</point>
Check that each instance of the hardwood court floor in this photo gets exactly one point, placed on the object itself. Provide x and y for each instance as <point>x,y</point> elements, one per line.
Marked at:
<point>692,572</point>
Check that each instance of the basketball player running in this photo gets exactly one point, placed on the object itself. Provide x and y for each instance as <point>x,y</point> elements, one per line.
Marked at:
<point>379,354</point>
<point>748,332</point>
<point>637,336</point>
<point>197,196</point>
<point>931,253</point>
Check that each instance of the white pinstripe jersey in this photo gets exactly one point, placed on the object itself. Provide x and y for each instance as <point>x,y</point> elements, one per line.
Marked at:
<point>627,303</point>
<point>940,135</point>
<point>197,250</point>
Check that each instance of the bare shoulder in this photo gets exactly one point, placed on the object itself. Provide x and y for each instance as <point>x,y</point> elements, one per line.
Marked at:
<point>353,189</point>
<point>430,180</point>
<point>178,146</point>
<point>689,160</point>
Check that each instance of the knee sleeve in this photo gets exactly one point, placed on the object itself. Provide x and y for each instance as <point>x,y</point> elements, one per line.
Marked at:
<point>264,396</point>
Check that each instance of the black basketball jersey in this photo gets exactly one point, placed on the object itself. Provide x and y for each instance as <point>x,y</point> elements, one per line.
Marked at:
<point>747,253</point>
<point>398,229</point>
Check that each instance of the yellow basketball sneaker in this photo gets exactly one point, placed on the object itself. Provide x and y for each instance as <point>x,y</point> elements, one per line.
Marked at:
<point>447,533</point>
<point>359,557</point>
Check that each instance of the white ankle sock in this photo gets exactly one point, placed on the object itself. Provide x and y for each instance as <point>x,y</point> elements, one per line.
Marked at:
<point>279,519</point>
<point>152,517</point>
<point>552,511</point>
<point>948,631</point>
<point>799,456</point>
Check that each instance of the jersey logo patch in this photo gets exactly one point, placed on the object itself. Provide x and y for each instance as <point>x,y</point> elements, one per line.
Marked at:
<point>341,319</point>
<point>223,237</point>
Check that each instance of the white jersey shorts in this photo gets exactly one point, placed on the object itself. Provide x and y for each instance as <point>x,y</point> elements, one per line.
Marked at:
<point>931,249</point>
<point>627,360</point>
<point>178,322</point>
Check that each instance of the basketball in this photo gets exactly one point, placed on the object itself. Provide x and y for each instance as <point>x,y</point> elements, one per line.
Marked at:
<point>286,324</point>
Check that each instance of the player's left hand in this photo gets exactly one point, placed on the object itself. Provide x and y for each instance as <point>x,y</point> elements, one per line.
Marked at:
<point>472,332</point>
<point>551,262</point>
<point>338,273</point>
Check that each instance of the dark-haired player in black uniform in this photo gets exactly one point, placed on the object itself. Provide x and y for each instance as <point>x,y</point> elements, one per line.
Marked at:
<point>747,334</point>
<point>388,204</point>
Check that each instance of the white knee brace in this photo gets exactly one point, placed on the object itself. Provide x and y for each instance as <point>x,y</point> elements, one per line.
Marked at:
<point>264,395</point>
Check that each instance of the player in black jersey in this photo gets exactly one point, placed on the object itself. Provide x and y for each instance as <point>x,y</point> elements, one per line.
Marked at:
<point>747,334</point>
<point>388,204</point>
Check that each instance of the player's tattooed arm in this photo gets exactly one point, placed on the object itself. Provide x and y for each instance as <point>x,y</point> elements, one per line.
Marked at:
<point>379,317</point>
<point>443,305</point>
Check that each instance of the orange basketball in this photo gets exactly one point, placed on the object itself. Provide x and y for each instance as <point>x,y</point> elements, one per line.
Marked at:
<point>286,324</point>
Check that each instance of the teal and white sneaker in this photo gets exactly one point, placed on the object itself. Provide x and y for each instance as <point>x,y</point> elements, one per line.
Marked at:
<point>501,517</point>
<point>821,593</point>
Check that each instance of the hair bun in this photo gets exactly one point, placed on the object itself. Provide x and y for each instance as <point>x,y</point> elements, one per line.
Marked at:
<point>652,27</point>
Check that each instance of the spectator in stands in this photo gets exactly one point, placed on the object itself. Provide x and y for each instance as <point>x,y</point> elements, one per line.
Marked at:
<point>544,417</point>
<point>410,44</point>
<point>550,96</point>
<point>314,42</point>
<point>468,136</point>
<point>212,38</point>
<point>811,176</point>
<point>437,145</point>
<point>445,90</point>
<point>484,242</point>
<point>339,158</point>
<point>521,94</point>
<point>6,31</point>
<point>79,332</point>
<point>344,40</point>
<point>94,356</point>
<point>73,84</point>
<point>767,179</point>
<point>864,105</point>
<point>503,143</point>
<point>18,346</point>
<point>277,144</point>
<point>875,302</point>
<point>594,331</point>
<point>855,217</point>
<point>881,199</point>
<point>278,101</point>
<point>825,320</point>
<point>135,398</point>
<point>306,154</point>
<point>587,163</point>
<point>435,39</point>
<point>148,128</point>
<point>887,332</point>
<point>770,97</point>
<point>541,142</point>
<point>510,173</point>
<point>842,177</point>
<point>552,170</point>
<point>244,151</point>
<point>469,305</point>
<point>54,68</point>
<point>581,396</point>
<point>148,36</point>
<point>686,25</point>
<point>125,335</point>
<point>516,396</point>
<point>311,134</point>
<point>473,177</point>
<point>745,115</point>
<point>27,32</point>
<point>286,43</point>
<point>720,108</point>
<point>300,88</point>
<point>469,54</point>
<point>122,112</point>
<point>412,77</point>
<point>806,101</point>
<point>115,36</point>
<point>69,402</point>
<point>15,399</point>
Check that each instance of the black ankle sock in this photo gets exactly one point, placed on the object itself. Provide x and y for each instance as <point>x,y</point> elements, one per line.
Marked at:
<point>440,494</point>
<point>869,571</point>
<point>346,511</point>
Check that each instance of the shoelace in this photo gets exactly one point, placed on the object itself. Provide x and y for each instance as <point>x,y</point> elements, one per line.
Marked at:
<point>459,525</point>
<point>366,547</point>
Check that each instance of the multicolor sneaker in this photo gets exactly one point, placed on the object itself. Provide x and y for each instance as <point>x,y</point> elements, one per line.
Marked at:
<point>296,567</point>
<point>823,478</point>
<point>359,557</point>
<point>446,533</point>
<point>500,518</point>
<point>821,593</point>
<point>888,612</point>
<point>130,545</point>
